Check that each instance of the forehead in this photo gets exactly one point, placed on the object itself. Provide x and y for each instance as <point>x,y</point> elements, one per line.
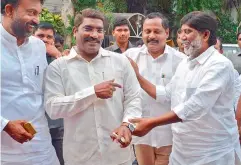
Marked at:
<point>239,36</point>
<point>93,22</point>
<point>44,31</point>
<point>121,27</point>
<point>30,4</point>
<point>187,27</point>
<point>153,23</point>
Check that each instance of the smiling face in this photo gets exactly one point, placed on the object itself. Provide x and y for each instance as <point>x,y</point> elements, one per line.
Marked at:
<point>192,41</point>
<point>89,36</point>
<point>154,35</point>
<point>24,17</point>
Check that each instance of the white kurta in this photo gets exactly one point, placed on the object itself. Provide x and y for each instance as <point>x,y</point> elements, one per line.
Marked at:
<point>89,121</point>
<point>158,71</point>
<point>202,94</point>
<point>22,71</point>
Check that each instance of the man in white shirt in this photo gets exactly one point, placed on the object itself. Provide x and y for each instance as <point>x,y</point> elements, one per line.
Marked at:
<point>96,92</point>
<point>201,93</point>
<point>23,63</point>
<point>157,63</point>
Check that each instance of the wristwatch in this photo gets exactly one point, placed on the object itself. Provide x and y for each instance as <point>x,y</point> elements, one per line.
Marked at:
<point>131,126</point>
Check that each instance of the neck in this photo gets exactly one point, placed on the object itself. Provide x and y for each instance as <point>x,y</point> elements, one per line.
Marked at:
<point>123,46</point>
<point>7,27</point>
<point>84,55</point>
<point>156,53</point>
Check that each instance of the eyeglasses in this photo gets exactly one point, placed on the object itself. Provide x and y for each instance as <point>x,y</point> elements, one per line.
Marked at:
<point>91,29</point>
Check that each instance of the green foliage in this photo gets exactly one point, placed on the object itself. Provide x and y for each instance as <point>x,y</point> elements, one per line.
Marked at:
<point>82,4</point>
<point>227,27</point>
<point>54,19</point>
<point>121,6</point>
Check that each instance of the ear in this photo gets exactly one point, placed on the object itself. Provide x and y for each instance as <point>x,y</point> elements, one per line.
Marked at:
<point>167,33</point>
<point>113,33</point>
<point>206,35</point>
<point>75,30</point>
<point>9,9</point>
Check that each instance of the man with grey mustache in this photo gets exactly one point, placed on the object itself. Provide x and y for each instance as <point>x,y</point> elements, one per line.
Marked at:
<point>157,63</point>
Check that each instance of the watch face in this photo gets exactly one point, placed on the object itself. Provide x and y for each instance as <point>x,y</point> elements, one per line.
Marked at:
<point>131,127</point>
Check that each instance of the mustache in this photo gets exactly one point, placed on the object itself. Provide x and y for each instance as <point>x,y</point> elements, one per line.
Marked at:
<point>152,40</point>
<point>32,24</point>
<point>87,39</point>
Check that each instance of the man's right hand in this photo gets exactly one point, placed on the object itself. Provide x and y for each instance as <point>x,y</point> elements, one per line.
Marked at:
<point>16,130</point>
<point>52,50</point>
<point>105,89</point>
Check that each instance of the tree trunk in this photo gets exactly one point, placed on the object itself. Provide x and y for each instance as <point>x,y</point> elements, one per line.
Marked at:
<point>67,9</point>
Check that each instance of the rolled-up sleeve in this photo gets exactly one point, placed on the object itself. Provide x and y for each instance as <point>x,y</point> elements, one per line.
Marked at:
<point>57,104</point>
<point>132,100</point>
<point>203,98</point>
<point>4,122</point>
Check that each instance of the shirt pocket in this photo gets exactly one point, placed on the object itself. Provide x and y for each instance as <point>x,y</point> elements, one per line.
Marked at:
<point>35,78</point>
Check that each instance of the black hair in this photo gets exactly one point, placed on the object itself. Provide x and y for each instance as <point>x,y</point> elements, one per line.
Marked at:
<point>120,22</point>
<point>59,38</point>
<point>46,26</point>
<point>202,22</point>
<point>14,3</point>
<point>165,22</point>
<point>221,42</point>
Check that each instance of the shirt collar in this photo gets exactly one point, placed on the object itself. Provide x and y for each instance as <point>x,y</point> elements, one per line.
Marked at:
<point>9,37</point>
<point>202,58</point>
<point>115,46</point>
<point>144,50</point>
<point>74,54</point>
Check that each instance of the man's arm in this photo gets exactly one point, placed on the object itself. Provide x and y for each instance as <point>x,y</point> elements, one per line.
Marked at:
<point>58,105</point>
<point>131,89</point>
<point>159,93</point>
<point>132,104</point>
<point>15,129</point>
<point>197,105</point>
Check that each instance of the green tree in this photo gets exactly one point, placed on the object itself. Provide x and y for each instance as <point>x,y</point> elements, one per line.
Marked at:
<point>54,19</point>
<point>227,27</point>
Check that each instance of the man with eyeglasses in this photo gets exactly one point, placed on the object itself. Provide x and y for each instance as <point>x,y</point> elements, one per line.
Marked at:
<point>96,92</point>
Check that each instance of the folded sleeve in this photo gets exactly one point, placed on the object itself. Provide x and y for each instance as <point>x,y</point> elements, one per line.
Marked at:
<point>215,81</point>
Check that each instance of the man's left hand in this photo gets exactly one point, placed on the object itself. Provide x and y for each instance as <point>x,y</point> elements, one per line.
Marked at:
<point>122,132</point>
<point>143,126</point>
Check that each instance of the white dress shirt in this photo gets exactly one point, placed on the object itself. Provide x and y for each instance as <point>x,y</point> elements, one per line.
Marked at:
<point>22,71</point>
<point>158,71</point>
<point>201,94</point>
<point>89,121</point>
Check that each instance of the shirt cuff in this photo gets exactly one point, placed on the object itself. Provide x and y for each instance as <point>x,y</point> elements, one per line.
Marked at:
<point>88,92</point>
<point>180,112</point>
<point>161,94</point>
<point>4,122</point>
